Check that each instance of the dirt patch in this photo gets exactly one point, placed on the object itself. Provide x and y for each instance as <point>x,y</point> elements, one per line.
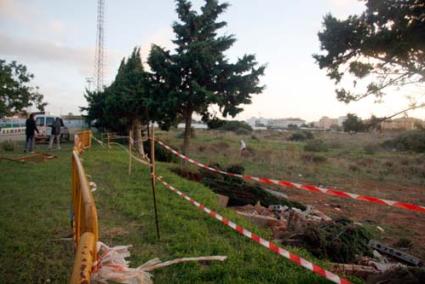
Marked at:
<point>36,157</point>
<point>193,176</point>
<point>395,223</point>
<point>114,232</point>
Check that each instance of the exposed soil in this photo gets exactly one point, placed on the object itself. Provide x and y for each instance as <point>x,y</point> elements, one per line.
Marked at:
<point>390,224</point>
<point>396,223</point>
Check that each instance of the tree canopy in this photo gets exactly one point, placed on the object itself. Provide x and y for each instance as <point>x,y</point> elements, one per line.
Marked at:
<point>16,92</point>
<point>124,104</point>
<point>198,75</point>
<point>382,47</point>
<point>353,123</point>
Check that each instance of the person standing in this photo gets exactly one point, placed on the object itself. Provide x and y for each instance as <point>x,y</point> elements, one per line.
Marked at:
<point>56,133</point>
<point>243,148</point>
<point>30,129</point>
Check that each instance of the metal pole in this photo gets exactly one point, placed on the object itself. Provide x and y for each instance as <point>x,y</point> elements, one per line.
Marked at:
<point>153,176</point>
<point>130,141</point>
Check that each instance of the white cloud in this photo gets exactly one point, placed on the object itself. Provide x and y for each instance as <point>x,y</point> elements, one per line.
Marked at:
<point>56,26</point>
<point>45,51</point>
<point>17,11</point>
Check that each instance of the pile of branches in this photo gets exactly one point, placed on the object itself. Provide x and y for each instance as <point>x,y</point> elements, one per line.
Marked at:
<point>239,191</point>
<point>340,241</point>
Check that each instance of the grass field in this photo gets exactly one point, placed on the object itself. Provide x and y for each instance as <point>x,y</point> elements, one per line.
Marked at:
<point>355,163</point>
<point>34,217</point>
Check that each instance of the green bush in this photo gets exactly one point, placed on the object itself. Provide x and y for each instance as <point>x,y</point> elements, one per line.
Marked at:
<point>242,131</point>
<point>314,158</point>
<point>8,146</point>
<point>409,141</point>
<point>215,123</point>
<point>370,149</point>
<point>235,125</point>
<point>301,136</point>
<point>239,127</point>
<point>316,146</point>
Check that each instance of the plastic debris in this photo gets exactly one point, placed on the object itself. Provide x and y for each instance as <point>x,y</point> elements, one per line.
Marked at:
<point>112,265</point>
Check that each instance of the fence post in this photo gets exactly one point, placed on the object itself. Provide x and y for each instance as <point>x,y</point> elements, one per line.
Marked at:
<point>153,177</point>
<point>130,142</point>
<point>90,138</point>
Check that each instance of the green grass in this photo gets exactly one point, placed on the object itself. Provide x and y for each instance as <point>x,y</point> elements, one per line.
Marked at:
<point>34,216</point>
<point>185,230</point>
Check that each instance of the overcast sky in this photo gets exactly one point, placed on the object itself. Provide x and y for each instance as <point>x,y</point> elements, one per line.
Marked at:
<point>56,40</point>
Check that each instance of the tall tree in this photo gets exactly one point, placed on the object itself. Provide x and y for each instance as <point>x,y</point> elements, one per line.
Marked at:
<point>353,123</point>
<point>125,101</point>
<point>16,93</point>
<point>382,47</point>
<point>132,100</point>
<point>198,75</point>
<point>128,97</point>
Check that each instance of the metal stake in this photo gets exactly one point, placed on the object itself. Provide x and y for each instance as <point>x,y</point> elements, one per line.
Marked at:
<point>153,177</point>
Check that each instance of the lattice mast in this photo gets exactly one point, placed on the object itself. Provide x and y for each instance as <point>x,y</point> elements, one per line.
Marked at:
<point>99,56</point>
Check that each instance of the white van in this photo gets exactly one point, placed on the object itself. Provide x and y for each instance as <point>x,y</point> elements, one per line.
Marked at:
<point>44,123</point>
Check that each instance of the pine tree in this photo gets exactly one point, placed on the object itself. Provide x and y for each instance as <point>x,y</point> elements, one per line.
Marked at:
<point>125,101</point>
<point>198,74</point>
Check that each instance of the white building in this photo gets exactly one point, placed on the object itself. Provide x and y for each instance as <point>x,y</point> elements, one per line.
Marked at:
<point>285,123</point>
<point>257,121</point>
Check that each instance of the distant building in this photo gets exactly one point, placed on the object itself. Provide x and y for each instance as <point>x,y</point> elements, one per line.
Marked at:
<point>285,123</point>
<point>404,123</point>
<point>327,122</point>
<point>257,122</point>
<point>341,120</point>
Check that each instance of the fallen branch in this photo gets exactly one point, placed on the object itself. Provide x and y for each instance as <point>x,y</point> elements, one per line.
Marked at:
<point>184,259</point>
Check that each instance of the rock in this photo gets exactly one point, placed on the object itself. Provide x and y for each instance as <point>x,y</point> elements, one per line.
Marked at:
<point>223,200</point>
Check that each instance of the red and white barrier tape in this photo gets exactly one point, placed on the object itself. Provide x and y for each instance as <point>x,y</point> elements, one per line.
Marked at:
<point>131,154</point>
<point>269,245</point>
<point>97,140</point>
<point>311,188</point>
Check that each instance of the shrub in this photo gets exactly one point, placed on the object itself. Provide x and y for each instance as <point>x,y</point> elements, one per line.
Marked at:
<point>353,168</point>
<point>409,141</point>
<point>8,146</point>
<point>180,135</point>
<point>301,136</point>
<point>242,131</point>
<point>314,158</point>
<point>234,125</point>
<point>316,146</point>
<point>240,127</point>
<point>215,123</point>
<point>370,149</point>
<point>253,137</point>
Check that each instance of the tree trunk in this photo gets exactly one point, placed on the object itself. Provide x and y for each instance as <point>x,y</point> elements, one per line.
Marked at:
<point>187,131</point>
<point>137,136</point>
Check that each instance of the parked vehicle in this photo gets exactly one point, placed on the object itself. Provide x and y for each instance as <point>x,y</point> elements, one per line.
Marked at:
<point>44,123</point>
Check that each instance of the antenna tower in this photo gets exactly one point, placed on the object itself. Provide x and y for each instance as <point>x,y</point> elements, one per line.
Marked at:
<point>98,65</point>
